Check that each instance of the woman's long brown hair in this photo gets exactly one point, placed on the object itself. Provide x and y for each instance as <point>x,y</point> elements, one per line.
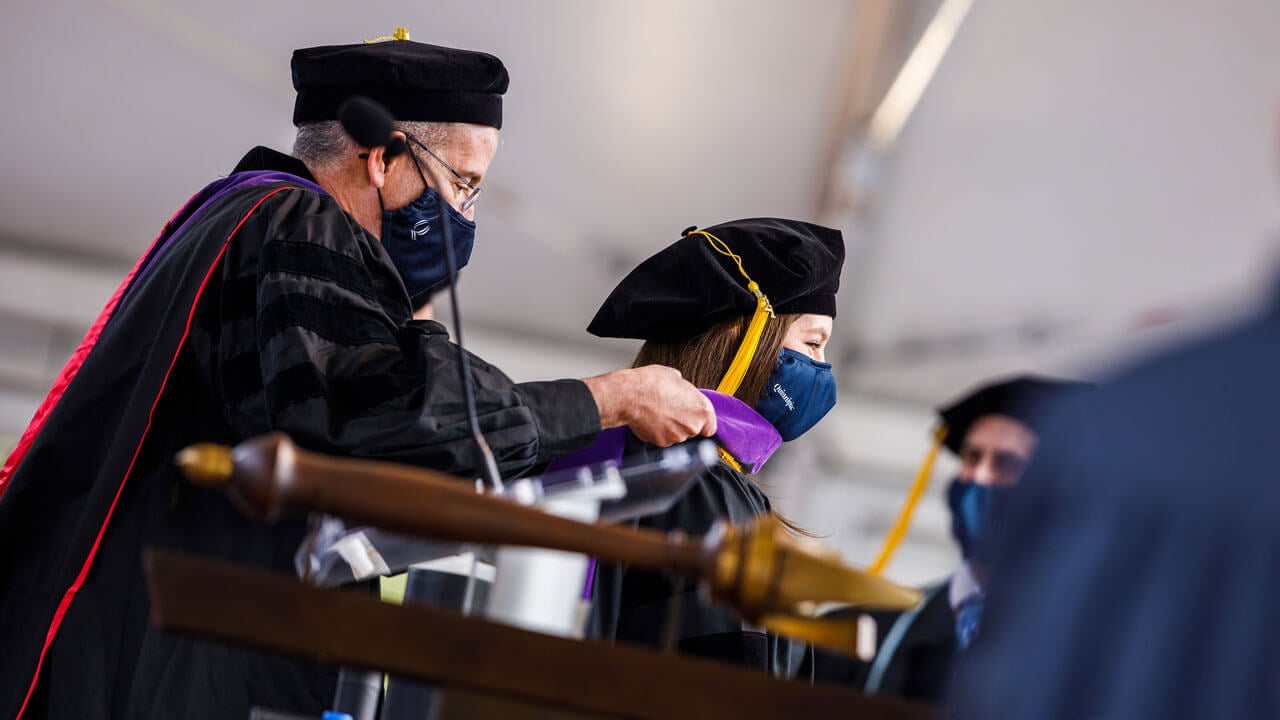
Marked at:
<point>704,359</point>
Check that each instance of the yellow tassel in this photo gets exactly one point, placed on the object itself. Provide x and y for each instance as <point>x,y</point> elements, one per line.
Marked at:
<point>903,523</point>
<point>746,349</point>
<point>729,460</point>
<point>732,379</point>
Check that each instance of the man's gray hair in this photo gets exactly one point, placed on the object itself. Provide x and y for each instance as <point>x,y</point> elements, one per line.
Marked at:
<point>325,144</point>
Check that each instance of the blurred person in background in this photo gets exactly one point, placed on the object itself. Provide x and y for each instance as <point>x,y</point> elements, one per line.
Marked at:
<point>744,308</point>
<point>993,430</point>
<point>280,298</point>
<point>1139,574</point>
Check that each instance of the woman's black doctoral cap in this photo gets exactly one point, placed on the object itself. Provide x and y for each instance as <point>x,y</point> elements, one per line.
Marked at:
<point>690,285</point>
<point>1024,398</point>
<point>413,80</point>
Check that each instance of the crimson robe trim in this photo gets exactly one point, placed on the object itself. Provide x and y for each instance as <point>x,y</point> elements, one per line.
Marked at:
<point>68,372</point>
<point>81,353</point>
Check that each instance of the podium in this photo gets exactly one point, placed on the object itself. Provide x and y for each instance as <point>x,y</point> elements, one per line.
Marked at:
<point>484,667</point>
<point>491,670</point>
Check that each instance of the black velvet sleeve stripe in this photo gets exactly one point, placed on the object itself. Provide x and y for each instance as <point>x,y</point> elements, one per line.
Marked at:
<point>340,324</point>
<point>346,394</point>
<point>363,393</point>
<point>319,262</point>
<point>295,385</point>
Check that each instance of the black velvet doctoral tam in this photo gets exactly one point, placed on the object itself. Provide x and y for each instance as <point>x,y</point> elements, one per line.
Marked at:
<point>414,81</point>
<point>689,286</point>
<point>1025,398</point>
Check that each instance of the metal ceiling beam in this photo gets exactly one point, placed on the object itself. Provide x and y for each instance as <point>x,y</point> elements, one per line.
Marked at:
<point>880,32</point>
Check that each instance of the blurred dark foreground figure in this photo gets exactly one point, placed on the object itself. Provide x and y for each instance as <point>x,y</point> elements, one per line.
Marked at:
<point>1141,574</point>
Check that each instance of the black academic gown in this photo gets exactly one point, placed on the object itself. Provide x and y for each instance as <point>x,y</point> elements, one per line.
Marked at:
<point>918,653</point>
<point>262,307</point>
<point>1142,570</point>
<point>914,653</point>
<point>631,605</point>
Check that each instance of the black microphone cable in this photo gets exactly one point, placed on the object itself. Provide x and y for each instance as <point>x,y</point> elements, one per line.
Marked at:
<point>469,395</point>
<point>464,359</point>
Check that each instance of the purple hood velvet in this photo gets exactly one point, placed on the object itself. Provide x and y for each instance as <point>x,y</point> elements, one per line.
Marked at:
<point>207,195</point>
<point>740,430</point>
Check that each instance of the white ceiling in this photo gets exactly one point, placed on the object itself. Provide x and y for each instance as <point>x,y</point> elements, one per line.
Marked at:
<point>1080,178</point>
<point>625,122</point>
<point>1077,173</point>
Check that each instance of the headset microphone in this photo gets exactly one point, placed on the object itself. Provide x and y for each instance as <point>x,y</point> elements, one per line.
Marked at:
<point>370,125</point>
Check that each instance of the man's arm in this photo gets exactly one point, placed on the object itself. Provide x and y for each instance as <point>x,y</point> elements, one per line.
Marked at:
<point>311,334</point>
<point>343,369</point>
<point>659,405</point>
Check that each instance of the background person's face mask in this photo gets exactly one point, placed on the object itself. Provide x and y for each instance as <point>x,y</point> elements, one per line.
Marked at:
<point>976,517</point>
<point>414,238</point>
<point>799,392</point>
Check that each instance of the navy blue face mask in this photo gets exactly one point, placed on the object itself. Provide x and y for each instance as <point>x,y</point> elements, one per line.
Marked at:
<point>976,517</point>
<point>800,391</point>
<point>414,238</point>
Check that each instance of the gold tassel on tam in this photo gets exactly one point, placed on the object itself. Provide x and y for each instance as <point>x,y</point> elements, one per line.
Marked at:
<point>399,34</point>
<point>747,348</point>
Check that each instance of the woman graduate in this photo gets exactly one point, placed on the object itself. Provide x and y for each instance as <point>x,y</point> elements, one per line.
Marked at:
<point>745,309</point>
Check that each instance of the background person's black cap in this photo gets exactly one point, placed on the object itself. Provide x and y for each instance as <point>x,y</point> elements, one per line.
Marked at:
<point>1024,398</point>
<point>412,80</point>
<point>688,286</point>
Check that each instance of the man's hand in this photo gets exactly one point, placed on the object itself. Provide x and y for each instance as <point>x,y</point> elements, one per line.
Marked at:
<point>657,404</point>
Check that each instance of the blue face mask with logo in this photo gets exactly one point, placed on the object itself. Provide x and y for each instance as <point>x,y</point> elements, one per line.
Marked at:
<point>800,391</point>
<point>414,238</point>
<point>976,517</point>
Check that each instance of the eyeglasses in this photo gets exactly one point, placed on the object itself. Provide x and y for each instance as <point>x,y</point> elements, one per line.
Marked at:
<point>471,193</point>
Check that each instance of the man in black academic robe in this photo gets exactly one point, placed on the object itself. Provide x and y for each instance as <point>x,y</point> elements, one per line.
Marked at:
<point>267,303</point>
